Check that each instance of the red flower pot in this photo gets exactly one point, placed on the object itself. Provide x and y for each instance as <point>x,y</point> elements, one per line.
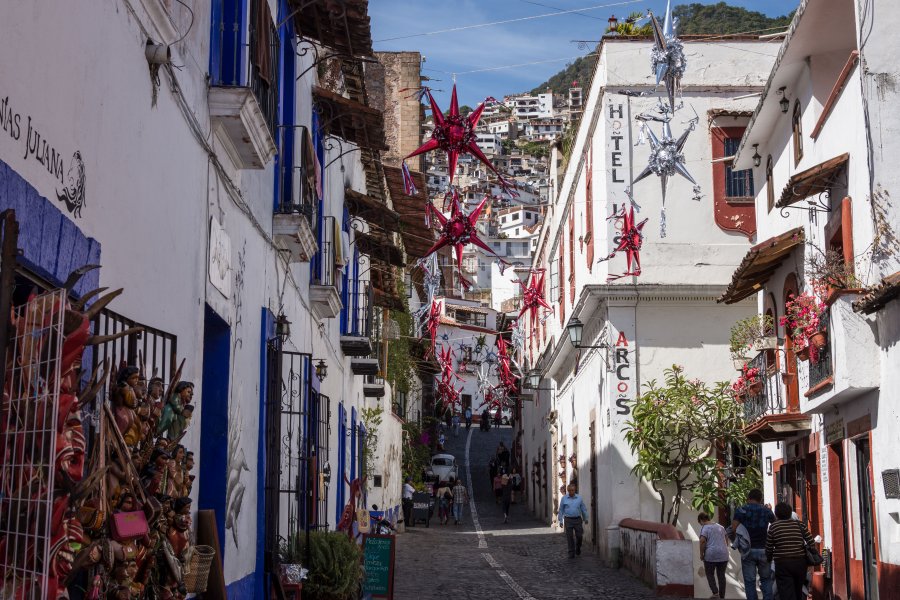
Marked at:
<point>818,339</point>
<point>754,388</point>
<point>803,354</point>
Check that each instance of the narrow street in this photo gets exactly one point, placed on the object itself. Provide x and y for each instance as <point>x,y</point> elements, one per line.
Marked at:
<point>485,558</point>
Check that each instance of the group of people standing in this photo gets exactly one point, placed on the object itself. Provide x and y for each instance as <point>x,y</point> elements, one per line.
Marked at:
<point>505,479</point>
<point>451,497</point>
<point>767,540</point>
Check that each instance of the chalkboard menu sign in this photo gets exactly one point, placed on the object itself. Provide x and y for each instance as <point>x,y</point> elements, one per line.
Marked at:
<point>378,562</point>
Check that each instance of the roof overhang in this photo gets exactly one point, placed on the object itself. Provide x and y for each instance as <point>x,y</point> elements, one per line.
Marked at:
<point>350,120</point>
<point>812,181</point>
<point>371,210</point>
<point>417,238</point>
<point>342,25</point>
<point>876,298</point>
<point>773,428</point>
<point>378,247</point>
<point>761,261</point>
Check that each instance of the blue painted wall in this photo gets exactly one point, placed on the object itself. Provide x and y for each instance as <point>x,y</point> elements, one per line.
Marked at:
<point>214,419</point>
<point>52,245</point>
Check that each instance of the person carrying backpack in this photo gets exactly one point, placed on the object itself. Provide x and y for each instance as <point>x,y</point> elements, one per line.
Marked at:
<point>444,502</point>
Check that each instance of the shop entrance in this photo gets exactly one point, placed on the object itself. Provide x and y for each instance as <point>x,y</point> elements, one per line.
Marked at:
<point>867,517</point>
<point>214,432</point>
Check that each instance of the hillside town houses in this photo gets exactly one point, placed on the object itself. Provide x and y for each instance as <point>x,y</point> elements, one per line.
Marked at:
<point>242,341</point>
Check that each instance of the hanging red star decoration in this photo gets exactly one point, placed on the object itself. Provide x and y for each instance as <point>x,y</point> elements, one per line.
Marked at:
<point>460,230</point>
<point>630,241</point>
<point>455,135</point>
<point>431,325</point>
<point>446,391</point>
<point>504,372</point>
<point>533,296</point>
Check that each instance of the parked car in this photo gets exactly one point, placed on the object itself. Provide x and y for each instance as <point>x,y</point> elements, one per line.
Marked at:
<point>443,468</point>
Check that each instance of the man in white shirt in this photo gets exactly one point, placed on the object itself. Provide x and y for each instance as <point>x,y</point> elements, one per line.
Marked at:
<point>407,500</point>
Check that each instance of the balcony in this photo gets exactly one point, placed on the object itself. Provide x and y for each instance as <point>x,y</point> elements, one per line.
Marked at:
<point>853,362</point>
<point>373,387</point>
<point>243,97</point>
<point>296,212</point>
<point>356,330</point>
<point>323,293</point>
<point>766,415</point>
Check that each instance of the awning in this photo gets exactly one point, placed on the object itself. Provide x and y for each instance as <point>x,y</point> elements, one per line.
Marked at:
<point>814,180</point>
<point>379,247</point>
<point>417,239</point>
<point>371,210</point>
<point>759,264</point>
<point>875,299</point>
<point>342,25</point>
<point>350,120</point>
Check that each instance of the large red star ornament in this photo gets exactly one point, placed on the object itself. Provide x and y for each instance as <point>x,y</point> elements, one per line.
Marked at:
<point>533,296</point>
<point>460,230</point>
<point>630,241</point>
<point>455,135</point>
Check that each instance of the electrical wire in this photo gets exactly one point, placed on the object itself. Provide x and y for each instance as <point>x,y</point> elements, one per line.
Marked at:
<point>507,21</point>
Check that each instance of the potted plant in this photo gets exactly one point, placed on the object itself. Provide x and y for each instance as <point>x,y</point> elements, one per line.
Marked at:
<point>335,569</point>
<point>748,335</point>
<point>753,381</point>
<point>739,388</point>
<point>804,322</point>
<point>833,273</point>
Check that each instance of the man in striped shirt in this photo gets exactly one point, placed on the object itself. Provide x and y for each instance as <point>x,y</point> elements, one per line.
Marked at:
<point>786,544</point>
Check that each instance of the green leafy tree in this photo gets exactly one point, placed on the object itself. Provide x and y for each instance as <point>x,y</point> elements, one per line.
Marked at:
<point>630,27</point>
<point>335,569</point>
<point>416,454</point>
<point>720,18</point>
<point>371,420</point>
<point>679,433</point>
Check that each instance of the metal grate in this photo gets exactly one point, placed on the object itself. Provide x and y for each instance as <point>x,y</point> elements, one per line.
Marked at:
<point>29,435</point>
<point>891,480</point>
<point>153,350</point>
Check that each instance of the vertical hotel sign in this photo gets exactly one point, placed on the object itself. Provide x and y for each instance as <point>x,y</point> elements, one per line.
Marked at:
<point>618,168</point>
<point>623,381</point>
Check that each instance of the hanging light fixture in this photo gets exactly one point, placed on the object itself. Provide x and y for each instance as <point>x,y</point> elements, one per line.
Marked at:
<point>575,328</point>
<point>784,102</point>
<point>757,159</point>
<point>321,370</point>
<point>282,328</point>
<point>534,379</point>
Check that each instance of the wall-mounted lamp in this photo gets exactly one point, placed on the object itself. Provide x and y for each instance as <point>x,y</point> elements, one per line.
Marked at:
<point>575,328</point>
<point>326,473</point>
<point>757,159</point>
<point>282,328</point>
<point>784,102</point>
<point>613,23</point>
<point>768,465</point>
<point>321,370</point>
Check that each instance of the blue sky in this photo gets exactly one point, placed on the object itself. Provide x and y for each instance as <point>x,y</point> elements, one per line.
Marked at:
<point>514,43</point>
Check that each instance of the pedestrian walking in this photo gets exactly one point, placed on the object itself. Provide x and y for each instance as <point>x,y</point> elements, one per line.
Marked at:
<point>460,497</point>
<point>498,417</point>
<point>448,418</point>
<point>441,441</point>
<point>786,544</point>
<point>506,495</point>
<point>455,425</point>
<point>498,487</point>
<point>503,456</point>
<point>468,417</point>
<point>755,518</point>
<point>445,501</point>
<point>406,501</point>
<point>714,553</point>
<point>516,480</point>
<point>573,517</point>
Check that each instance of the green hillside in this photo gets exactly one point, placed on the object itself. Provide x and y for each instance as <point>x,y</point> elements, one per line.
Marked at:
<point>693,19</point>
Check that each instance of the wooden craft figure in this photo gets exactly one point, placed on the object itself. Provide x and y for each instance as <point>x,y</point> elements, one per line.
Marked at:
<point>187,478</point>
<point>175,473</point>
<point>155,400</point>
<point>125,402</point>
<point>173,421</point>
<point>179,532</point>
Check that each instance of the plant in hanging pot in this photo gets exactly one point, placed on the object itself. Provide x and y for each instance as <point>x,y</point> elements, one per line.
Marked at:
<point>753,381</point>
<point>739,388</point>
<point>803,320</point>
<point>833,273</point>
<point>746,334</point>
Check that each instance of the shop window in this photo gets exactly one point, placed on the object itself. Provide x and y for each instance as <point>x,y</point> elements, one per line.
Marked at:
<point>797,127</point>
<point>770,185</point>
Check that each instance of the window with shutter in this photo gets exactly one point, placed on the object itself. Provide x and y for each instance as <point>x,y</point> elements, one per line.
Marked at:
<point>572,255</point>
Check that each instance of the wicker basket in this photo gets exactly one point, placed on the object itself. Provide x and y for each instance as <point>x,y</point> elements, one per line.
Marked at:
<point>198,572</point>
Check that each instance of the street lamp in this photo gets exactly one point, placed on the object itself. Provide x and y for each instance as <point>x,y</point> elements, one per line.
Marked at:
<point>321,370</point>
<point>613,22</point>
<point>282,328</point>
<point>784,102</point>
<point>757,159</point>
<point>533,379</point>
<point>575,329</point>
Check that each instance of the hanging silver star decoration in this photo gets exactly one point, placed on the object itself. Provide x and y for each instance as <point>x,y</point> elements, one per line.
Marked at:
<point>667,56</point>
<point>431,283</point>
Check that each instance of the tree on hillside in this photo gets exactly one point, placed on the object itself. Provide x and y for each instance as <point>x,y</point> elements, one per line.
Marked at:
<point>702,19</point>
<point>680,433</point>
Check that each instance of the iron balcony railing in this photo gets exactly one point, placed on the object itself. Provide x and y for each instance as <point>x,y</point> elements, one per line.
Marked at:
<point>822,368</point>
<point>768,400</point>
<point>253,63</point>
<point>298,182</point>
<point>324,267</point>
<point>360,311</point>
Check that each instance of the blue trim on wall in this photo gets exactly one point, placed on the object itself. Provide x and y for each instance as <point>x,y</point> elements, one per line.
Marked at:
<point>227,52</point>
<point>214,419</point>
<point>284,159</point>
<point>267,332</point>
<point>52,244</point>
<point>353,446</point>
<point>342,462</point>
<point>247,587</point>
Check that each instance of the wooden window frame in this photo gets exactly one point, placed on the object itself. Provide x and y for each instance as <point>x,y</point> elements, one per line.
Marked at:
<point>589,210</point>
<point>797,128</point>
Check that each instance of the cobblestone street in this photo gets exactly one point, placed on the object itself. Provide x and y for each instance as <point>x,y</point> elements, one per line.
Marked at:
<point>523,559</point>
